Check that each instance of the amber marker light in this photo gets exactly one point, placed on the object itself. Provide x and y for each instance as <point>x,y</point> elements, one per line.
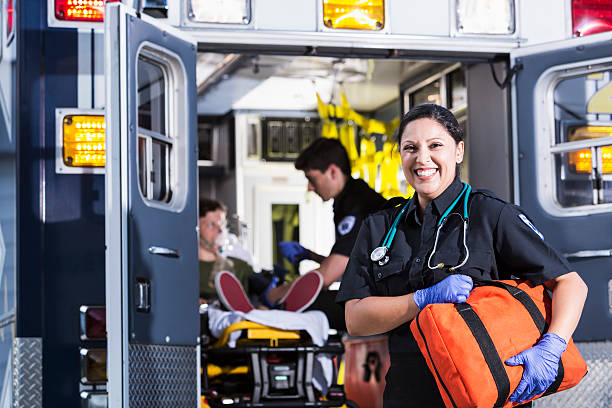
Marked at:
<point>580,160</point>
<point>354,14</point>
<point>84,141</point>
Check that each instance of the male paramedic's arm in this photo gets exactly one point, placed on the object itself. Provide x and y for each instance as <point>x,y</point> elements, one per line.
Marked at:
<point>332,268</point>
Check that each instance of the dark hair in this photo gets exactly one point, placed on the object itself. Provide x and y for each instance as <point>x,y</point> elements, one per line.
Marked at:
<point>208,205</point>
<point>435,112</point>
<point>321,153</point>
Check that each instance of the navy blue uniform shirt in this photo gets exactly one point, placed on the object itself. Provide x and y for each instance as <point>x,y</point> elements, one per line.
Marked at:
<point>354,203</point>
<point>502,243</point>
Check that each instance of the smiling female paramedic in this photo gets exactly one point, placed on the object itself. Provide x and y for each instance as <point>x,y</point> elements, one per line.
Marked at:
<point>404,259</point>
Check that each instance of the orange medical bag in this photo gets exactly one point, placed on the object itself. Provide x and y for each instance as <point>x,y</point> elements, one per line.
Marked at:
<point>466,344</point>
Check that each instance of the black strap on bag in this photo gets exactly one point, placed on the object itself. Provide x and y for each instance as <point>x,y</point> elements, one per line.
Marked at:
<point>489,352</point>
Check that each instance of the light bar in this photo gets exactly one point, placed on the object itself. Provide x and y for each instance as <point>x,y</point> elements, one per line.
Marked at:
<point>80,10</point>
<point>84,140</point>
<point>354,14</point>
<point>221,11</point>
<point>591,16</point>
<point>485,16</point>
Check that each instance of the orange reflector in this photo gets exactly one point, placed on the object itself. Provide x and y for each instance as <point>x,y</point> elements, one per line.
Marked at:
<point>93,366</point>
<point>354,14</point>
<point>580,160</point>
<point>84,142</point>
<point>80,10</point>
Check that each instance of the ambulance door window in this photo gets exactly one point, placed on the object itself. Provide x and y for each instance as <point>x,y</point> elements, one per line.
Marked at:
<point>428,94</point>
<point>582,151</point>
<point>154,143</point>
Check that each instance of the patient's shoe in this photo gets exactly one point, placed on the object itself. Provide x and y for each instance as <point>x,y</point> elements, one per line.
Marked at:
<point>303,292</point>
<point>231,293</point>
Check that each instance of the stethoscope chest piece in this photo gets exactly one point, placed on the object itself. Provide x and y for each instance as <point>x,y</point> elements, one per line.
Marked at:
<point>378,254</point>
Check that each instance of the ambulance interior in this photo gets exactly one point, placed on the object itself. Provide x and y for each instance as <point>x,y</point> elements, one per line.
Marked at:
<point>257,112</point>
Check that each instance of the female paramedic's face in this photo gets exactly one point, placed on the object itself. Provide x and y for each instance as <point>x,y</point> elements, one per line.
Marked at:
<point>429,158</point>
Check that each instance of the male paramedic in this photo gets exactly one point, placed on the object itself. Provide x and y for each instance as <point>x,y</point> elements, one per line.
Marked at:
<point>326,165</point>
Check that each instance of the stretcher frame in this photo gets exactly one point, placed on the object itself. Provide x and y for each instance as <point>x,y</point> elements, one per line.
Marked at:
<point>261,395</point>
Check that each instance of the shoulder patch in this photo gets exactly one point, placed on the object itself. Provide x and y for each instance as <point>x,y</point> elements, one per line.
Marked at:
<point>524,218</point>
<point>346,225</point>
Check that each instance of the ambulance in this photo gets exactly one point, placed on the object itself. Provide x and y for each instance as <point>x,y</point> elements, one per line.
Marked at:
<point>115,117</point>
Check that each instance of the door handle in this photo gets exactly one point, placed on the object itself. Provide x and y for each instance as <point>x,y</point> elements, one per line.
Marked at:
<point>590,253</point>
<point>157,250</point>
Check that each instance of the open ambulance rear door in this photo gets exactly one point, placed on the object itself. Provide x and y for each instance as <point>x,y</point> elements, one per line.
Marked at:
<point>151,213</point>
<point>562,142</point>
<point>562,115</point>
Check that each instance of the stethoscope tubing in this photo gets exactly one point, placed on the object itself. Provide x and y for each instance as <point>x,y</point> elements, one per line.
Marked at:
<point>379,254</point>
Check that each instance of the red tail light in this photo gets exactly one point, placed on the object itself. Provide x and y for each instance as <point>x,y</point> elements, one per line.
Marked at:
<point>10,13</point>
<point>591,16</point>
<point>80,10</point>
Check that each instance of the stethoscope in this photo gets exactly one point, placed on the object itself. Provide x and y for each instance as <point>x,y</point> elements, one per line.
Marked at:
<point>380,254</point>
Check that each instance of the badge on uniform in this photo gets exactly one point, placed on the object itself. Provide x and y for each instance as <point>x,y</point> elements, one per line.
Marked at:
<point>530,225</point>
<point>347,224</point>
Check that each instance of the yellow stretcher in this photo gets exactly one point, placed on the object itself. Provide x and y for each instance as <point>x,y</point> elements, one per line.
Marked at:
<point>267,368</point>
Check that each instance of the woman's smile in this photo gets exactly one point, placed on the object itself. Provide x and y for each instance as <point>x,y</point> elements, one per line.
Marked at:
<point>429,158</point>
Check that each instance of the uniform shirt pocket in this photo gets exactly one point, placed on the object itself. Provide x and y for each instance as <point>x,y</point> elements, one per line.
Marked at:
<point>478,264</point>
<point>388,277</point>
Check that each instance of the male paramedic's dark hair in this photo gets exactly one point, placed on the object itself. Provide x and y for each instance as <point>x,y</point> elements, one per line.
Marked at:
<point>436,112</point>
<point>208,205</point>
<point>321,153</point>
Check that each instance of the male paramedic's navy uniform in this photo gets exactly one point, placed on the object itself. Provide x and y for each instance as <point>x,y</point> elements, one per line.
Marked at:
<point>502,243</point>
<point>354,203</point>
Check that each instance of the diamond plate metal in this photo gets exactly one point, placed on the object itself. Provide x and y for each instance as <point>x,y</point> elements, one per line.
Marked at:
<point>595,390</point>
<point>163,376</point>
<point>27,372</point>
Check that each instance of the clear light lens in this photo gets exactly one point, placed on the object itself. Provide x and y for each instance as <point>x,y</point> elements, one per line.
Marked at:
<point>485,16</point>
<point>221,11</point>
<point>80,10</point>
<point>84,140</point>
<point>354,14</point>
<point>591,16</point>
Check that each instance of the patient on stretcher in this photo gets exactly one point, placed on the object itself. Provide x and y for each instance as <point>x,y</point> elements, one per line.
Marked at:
<point>242,288</point>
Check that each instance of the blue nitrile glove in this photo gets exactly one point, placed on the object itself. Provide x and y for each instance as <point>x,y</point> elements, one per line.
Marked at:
<point>293,251</point>
<point>541,365</point>
<point>453,289</point>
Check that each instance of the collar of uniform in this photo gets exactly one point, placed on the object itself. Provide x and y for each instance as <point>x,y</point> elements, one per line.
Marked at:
<point>445,199</point>
<point>350,182</point>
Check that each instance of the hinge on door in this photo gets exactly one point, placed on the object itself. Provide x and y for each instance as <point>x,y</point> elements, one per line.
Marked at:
<point>503,85</point>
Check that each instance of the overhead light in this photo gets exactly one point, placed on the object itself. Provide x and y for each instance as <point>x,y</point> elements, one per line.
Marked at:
<point>485,17</point>
<point>354,14</point>
<point>220,11</point>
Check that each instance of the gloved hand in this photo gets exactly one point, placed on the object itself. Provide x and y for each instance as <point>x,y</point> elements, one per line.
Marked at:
<point>453,289</point>
<point>541,365</point>
<point>293,251</point>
